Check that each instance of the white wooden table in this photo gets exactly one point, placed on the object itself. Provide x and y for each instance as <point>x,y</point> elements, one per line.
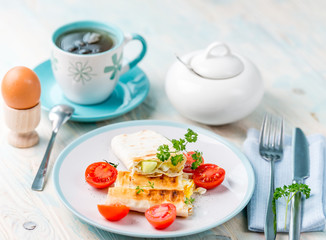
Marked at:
<point>286,39</point>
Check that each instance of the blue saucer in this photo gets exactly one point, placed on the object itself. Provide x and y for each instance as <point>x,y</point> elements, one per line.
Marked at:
<point>130,91</point>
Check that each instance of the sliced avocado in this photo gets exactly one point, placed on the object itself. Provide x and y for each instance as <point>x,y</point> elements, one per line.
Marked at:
<point>148,166</point>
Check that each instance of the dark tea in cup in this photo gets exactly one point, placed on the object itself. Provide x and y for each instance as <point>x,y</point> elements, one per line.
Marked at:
<point>85,41</point>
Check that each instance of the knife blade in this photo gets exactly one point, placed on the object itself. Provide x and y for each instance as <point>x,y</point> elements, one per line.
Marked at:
<point>301,171</point>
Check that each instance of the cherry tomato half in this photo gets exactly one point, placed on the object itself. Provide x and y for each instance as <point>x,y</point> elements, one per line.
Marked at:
<point>190,160</point>
<point>208,176</point>
<point>113,212</point>
<point>101,174</point>
<point>161,216</point>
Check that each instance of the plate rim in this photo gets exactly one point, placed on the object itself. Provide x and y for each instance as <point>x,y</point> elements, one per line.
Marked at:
<point>132,123</point>
<point>102,117</point>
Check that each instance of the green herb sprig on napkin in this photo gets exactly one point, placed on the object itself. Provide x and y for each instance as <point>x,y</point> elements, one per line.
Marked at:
<point>288,192</point>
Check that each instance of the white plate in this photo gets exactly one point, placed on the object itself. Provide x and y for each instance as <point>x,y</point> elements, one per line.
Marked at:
<point>210,210</point>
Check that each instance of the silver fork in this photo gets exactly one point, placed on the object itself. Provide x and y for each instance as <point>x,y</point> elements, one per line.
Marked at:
<point>271,149</point>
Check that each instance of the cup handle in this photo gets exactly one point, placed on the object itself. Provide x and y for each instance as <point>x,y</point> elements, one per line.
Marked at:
<point>140,56</point>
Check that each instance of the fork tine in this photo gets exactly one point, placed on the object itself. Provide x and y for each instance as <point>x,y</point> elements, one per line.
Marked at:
<point>262,137</point>
<point>271,133</point>
<point>273,129</point>
<point>268,131</point>
<point>279,132</point>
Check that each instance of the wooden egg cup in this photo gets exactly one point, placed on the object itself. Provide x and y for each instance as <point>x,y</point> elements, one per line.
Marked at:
<point>22,123</point>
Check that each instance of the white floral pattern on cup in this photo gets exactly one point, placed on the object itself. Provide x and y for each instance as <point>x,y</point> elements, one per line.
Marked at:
<point>81,72</point>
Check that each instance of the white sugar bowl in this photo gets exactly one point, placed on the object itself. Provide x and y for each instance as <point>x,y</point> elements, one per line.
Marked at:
<point>214,86</point>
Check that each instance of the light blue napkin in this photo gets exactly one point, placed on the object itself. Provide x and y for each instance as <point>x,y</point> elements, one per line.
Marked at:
<point>313,215</point>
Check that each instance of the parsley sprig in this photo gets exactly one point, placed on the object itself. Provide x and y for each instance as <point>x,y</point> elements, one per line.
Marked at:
<point>288,192</point>
<point>140,188</point>
<point>164,152</point>
<point>198,157</point>
<point>189,200</point>
<point>151,184</point>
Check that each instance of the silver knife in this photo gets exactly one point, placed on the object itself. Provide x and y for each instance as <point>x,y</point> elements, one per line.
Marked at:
<point>301,171</point>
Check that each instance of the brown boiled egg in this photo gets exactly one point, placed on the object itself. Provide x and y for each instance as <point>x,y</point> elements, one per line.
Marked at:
<point>21,88</point>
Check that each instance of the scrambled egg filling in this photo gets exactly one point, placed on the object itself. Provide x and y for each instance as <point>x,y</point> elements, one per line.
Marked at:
<point>189,187</point>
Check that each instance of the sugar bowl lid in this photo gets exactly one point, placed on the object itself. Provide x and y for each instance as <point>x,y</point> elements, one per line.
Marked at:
<point>216,62</point>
